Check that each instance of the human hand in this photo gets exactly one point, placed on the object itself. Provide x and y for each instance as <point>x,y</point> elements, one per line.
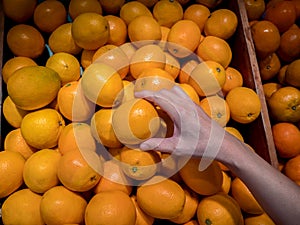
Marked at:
<point>195,133</point>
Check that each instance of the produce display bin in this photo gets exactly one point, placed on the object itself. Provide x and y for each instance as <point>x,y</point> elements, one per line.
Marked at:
<point>257,134</point>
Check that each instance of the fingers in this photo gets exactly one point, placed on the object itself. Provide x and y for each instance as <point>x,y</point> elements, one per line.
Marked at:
<point>161,144</point>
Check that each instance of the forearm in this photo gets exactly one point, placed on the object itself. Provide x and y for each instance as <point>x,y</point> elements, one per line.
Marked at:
<point>277,194</point>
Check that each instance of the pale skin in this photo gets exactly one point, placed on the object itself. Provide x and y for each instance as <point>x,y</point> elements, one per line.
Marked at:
<point>277,194</point>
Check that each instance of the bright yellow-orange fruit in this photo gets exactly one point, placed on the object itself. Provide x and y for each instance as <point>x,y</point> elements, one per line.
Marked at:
<point>135,121</point>
<point>58,202</point>
<point>22,207</point>
<point>159,191</point>
<point>11,171</point>
<point>101,84</point>
<point>111,208</point>
<point>33,87</point>
<point>90,30</point>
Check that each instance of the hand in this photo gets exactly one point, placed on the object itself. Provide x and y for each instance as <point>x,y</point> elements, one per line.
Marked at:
<point>195,133</point>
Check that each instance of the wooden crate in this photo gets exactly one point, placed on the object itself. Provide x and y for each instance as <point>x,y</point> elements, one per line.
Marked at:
<point>258,134</point>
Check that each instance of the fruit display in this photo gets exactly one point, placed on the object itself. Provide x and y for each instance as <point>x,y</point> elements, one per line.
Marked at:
<point>279,63</point>
<point>71,125</point>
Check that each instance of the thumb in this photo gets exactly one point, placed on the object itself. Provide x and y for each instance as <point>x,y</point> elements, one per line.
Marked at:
<point>162,144</point>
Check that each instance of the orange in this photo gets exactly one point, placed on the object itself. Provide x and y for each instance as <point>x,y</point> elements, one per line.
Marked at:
<point>192,222</point>
<point>235,132</point>
<point>243,196</point>
<point>138,164</point>
<point>183,38</point>
<point>206,182</point>
<point>111,208</point>
<point>297,6</point>
<point>24,87</point>
<point>49,15</point>
<point>216,49</point>
<point>147,56</point>
<point>167,12</point>
<point>186,70</point>
<point>269,88</point>
<point>216,108</point>
<point>15,142</point>
<point>154,79</point>
<point>12,113</point>
<point>266,38</point>
<point>233,79</point>
<point>244,104</point>
<point>101,84</point>
<point>198,13</point>
<point>189,209</point>
<point>281,74</point>
<point>19,11</point>
<point>59,205</point>
<point>79,170</point>
<point>226,185</point>
<point>221,23</point>
<point>255,9</point>
<point>25,40</point>
<point>289,49</point>
<point>286,136</point>
<point>90,30</point>
<point>133,9</point>
<point>209,3</point>
<point>145,29</point>
<point>15,63</point>
<point>207,78</point>
<point>111,7</point>
<point>292,169</point>
<point>102,50</point>
<point>11,170</point>
<point>141,217</point>
<point>269,66</point>
<point>190,91</point>
<point>292,70</point>
<point>172,65</point>
<point>183,2</point>
<point>282,14</point>
<point>40,170</point>
<point>22,207</point>
<point>66,65</point>
<point>117,30</point>
<point>284,104</point>
<point>61,40</point>
<point>76,136</point>
<point>158,191</point>
<point>148,3</point>
<point>86,57</point>
<point>102,129</point>
<point>77,7</point>
<point>113,178</point>
<point>112,56</point>
<point>73,104</point>
<point>135,121</point>
<point>41,128</point>
<point>262,219</point>
<point>220,209</point>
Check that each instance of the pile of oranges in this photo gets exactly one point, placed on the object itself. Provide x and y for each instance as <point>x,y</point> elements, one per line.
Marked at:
<point>279,65</point>
<point>72,156</point>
